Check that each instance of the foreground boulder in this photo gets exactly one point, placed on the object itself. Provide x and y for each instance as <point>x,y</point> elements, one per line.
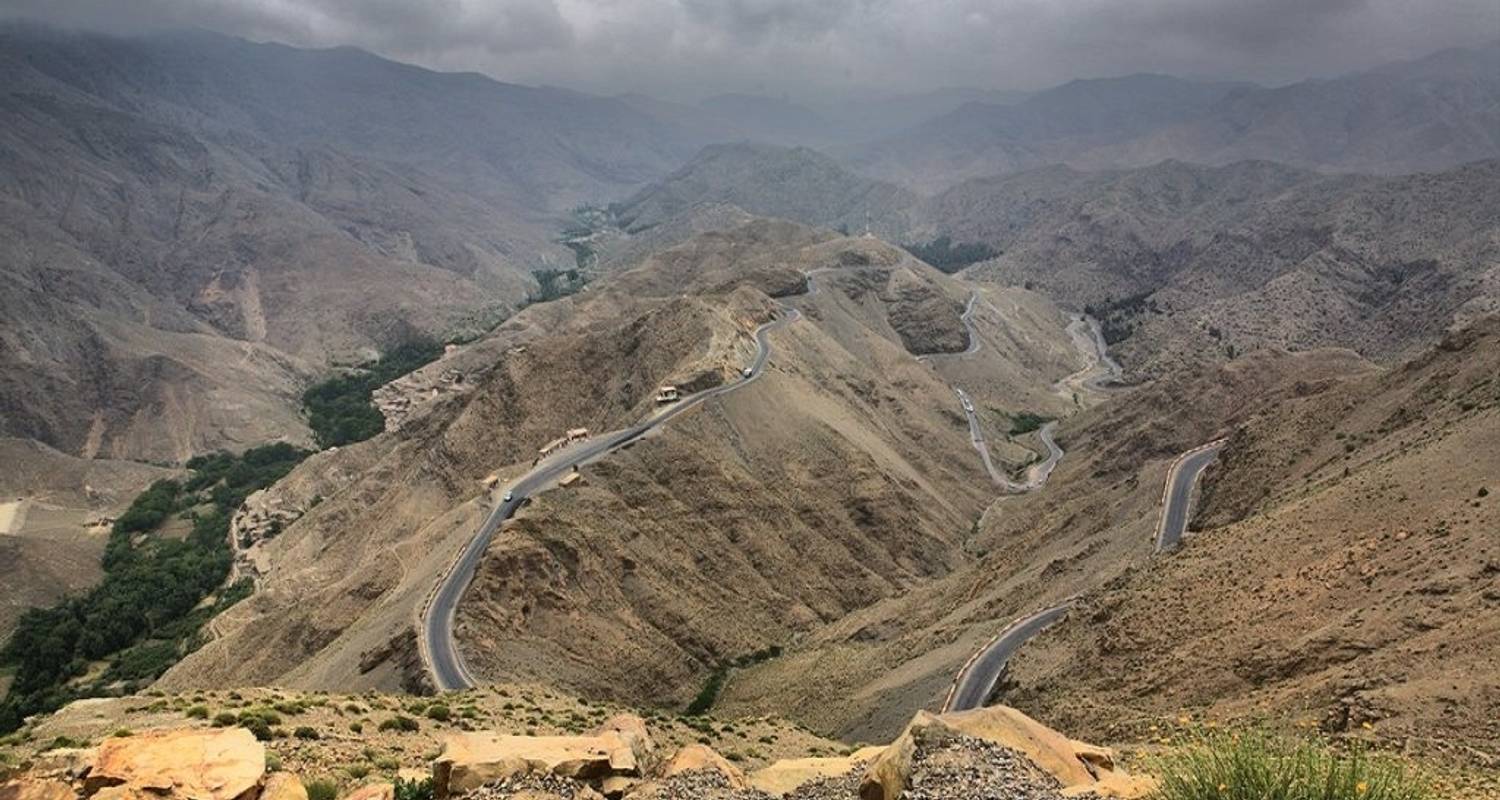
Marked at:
<point>1078,767</point>
<point>283,786</point>
<point>469,760</point>
<point>702,758</point>
<point>783,776</point>
<point>195,764</point>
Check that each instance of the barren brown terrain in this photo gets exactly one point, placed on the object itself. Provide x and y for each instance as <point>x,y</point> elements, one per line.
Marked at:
<point>1344,578</point>
<point>860,450</point>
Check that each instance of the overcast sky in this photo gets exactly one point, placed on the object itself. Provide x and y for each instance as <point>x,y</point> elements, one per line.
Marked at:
<point>808,49</point>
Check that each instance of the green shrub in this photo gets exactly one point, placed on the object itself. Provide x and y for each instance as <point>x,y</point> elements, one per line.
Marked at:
<point>196,712</point>
<point>1260,767</point>
<point>304,732</point>
<point>224,719</point>
<point>321,789</point>
<point>413,789</point>
<point>259,729</point>
<point>400,722</point>
<point>439,712</point>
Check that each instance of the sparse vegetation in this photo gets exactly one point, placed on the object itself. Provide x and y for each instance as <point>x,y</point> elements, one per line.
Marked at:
<point>413,789</point>
<point>1225,766</point>
<point>400,722</point>
<point>949,257</point>
<point>321,789</point>
<point>146,613</point>
<point>339,409</point>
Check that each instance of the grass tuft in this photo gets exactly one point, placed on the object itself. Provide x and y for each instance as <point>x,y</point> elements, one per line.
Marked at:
<point>1223,766</point>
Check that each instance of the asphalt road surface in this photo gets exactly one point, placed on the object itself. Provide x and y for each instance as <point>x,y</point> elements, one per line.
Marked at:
<point>439,644</point>
<point>979,677</point>
<point>1178,499</point>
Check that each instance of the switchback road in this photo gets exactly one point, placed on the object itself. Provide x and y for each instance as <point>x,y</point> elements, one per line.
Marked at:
<point>977,679</point>
<point>438,645</point>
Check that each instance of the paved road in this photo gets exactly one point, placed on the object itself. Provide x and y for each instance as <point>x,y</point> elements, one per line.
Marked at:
<point>979,676</point>
<point>1103,374</point>
<point>438,644</point>
<point>1177,499</point>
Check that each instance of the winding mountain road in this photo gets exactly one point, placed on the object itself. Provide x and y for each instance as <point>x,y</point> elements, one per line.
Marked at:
<point>1177,497</point>
<point>438,645</point>
<point>977,679</point>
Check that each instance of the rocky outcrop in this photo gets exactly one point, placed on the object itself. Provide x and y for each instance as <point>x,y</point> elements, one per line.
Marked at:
<point>783,776</point>
<point>283,786</point>
<point>469,760</point>
<point>702,758</point>
<point>1076,766</point>
<point>188,764</point>
<point>223,764</point>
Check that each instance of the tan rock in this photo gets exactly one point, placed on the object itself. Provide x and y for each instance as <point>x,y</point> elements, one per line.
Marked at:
<point>1080,768</point>
<point>702,757</point>
<point>36,789</point>
<point>373,791</point>
<point>616,786</point>
<point>195,764</point>
<point>67,763</point>
<point>123,793</point>
<point>283,786</point>
<point>633,729</point>
<point>783,776</point>
<point>469,760</point>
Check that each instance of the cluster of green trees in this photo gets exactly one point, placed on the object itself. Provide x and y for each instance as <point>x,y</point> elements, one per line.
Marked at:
<point>339,409</point>
<point>146,613</point>
<point>555,283</point>
<point>949,257</point>
<point>1117,318</point>
<point>1026,422</point>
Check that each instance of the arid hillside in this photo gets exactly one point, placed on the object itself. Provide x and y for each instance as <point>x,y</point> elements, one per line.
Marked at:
<point>1094,519</point>
<point>1189,265</point>
<point>695,546</point>
<point>194,226</point>
<point>1345,576</point>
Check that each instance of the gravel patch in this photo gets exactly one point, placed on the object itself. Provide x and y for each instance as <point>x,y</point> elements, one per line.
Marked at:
<point>965,768</point>
<point>842,787</point>
<point>506,788</point>
<point>704,784</point>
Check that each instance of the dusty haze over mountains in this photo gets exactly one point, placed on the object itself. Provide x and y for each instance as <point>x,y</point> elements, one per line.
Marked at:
<point>825,50</point>
<point>783,371</point>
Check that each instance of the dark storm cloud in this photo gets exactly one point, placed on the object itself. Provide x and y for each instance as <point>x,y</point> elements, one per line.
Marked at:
<point>807,47</point>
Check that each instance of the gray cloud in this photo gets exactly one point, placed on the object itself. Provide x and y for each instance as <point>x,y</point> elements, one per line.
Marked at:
<point>688,48</point>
